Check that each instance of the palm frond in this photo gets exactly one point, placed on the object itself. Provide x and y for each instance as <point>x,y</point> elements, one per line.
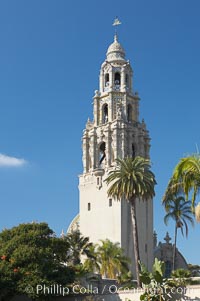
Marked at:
<point>179,210</point>
<point>187,171</point>
<point>131,179</point>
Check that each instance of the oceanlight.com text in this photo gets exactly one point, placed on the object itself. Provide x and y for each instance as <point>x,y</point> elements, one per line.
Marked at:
<point>60,290</point>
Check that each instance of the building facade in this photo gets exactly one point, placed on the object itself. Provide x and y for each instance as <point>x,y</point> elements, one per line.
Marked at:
<point>114,132</point>
<point>164,252</point>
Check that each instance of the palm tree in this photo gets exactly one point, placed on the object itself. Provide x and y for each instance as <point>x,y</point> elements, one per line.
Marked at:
<point>111,259</point>
<point>107,258</point>
<point>174,187</point>
<point>180,211</point>
<point>91,264</point>
<point>78,246</point>
<point>185,178</point>
<point>132,180</point>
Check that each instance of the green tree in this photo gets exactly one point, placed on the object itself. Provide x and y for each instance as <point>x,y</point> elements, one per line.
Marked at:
<point>111,259</point>
<point>91,264</point>
<point>78,246</point>
<point>180,211</point>
<point>154,282</point>
<point>181,276</point>
<point>132,180</point>
<point>156,287</point>
<point>185,178</point>
<point>194,269</point>
<point>31,255</point>
<point>108,259</point>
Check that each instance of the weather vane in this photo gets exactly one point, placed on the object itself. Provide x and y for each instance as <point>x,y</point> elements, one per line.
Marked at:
<point>116,23</point>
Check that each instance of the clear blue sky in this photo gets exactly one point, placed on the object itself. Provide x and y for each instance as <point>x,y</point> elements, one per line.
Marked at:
<point>50,57</point>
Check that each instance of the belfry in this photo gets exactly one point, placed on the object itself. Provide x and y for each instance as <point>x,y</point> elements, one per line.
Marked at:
<point>114,132</point>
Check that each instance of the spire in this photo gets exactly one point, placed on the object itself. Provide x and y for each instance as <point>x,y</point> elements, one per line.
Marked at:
<point>116,23</point>
<point>62,235</point>
<point>167,238</point>
<point>115,37</point>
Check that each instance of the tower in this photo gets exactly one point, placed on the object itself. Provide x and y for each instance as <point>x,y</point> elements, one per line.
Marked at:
<point>115,132</point>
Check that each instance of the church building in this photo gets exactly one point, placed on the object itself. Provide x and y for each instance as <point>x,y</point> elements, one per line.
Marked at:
<point>115,132</point>
<point>164,251</point>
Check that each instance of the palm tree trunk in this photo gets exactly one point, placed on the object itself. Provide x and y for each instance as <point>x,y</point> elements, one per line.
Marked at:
<point>135,241</point>
<point>174,251</point>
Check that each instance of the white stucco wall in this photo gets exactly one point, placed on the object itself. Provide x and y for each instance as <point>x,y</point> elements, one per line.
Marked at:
<point>114,222</point>
<point>102,221</point>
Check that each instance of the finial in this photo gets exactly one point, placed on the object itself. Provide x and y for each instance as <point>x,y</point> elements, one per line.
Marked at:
<point>62,234</point>
<point>167,238</point>
<point>116,22</point>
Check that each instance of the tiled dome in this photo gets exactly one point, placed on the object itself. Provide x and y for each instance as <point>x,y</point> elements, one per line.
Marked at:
<point>115,51</point>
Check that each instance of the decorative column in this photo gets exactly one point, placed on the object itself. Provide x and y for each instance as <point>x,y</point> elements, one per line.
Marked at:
<point>96,108</point>
<point>85,156</point>
<point>101,81</point>
<point>115,141</point>
<point>123,80</point>
<point>129,142</point>
<point>93,147</point>
<point>123,141</point>
<point>136,106</point>
<point>147,146</point>
<point>130,81</point>
<point>141,144</point>
<point>108,144</point>
<point>111,79</point>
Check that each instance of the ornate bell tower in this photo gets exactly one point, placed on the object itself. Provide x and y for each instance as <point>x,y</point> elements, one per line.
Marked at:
<point>115,132</point>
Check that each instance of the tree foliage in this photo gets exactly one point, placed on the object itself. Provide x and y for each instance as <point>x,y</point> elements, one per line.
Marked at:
<point>185,178</point>
<point>179,210</point>
<point>31,255</point>
<point>154,282</point>
<point>132,180</point>
<point>194,269</point>
<point>78,246</point>
<point>181,276</point>
<point>108,259</point>
<point>111,259</point>
<point>156,287</point>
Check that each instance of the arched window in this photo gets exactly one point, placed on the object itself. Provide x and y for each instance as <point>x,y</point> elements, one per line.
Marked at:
<point>105,113</point>
<point>127,80</point>
<point>107,80</point>
<point>117,79</point>
<point>102,152</point>
<point>133,151</point>
<point>129,113</point>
